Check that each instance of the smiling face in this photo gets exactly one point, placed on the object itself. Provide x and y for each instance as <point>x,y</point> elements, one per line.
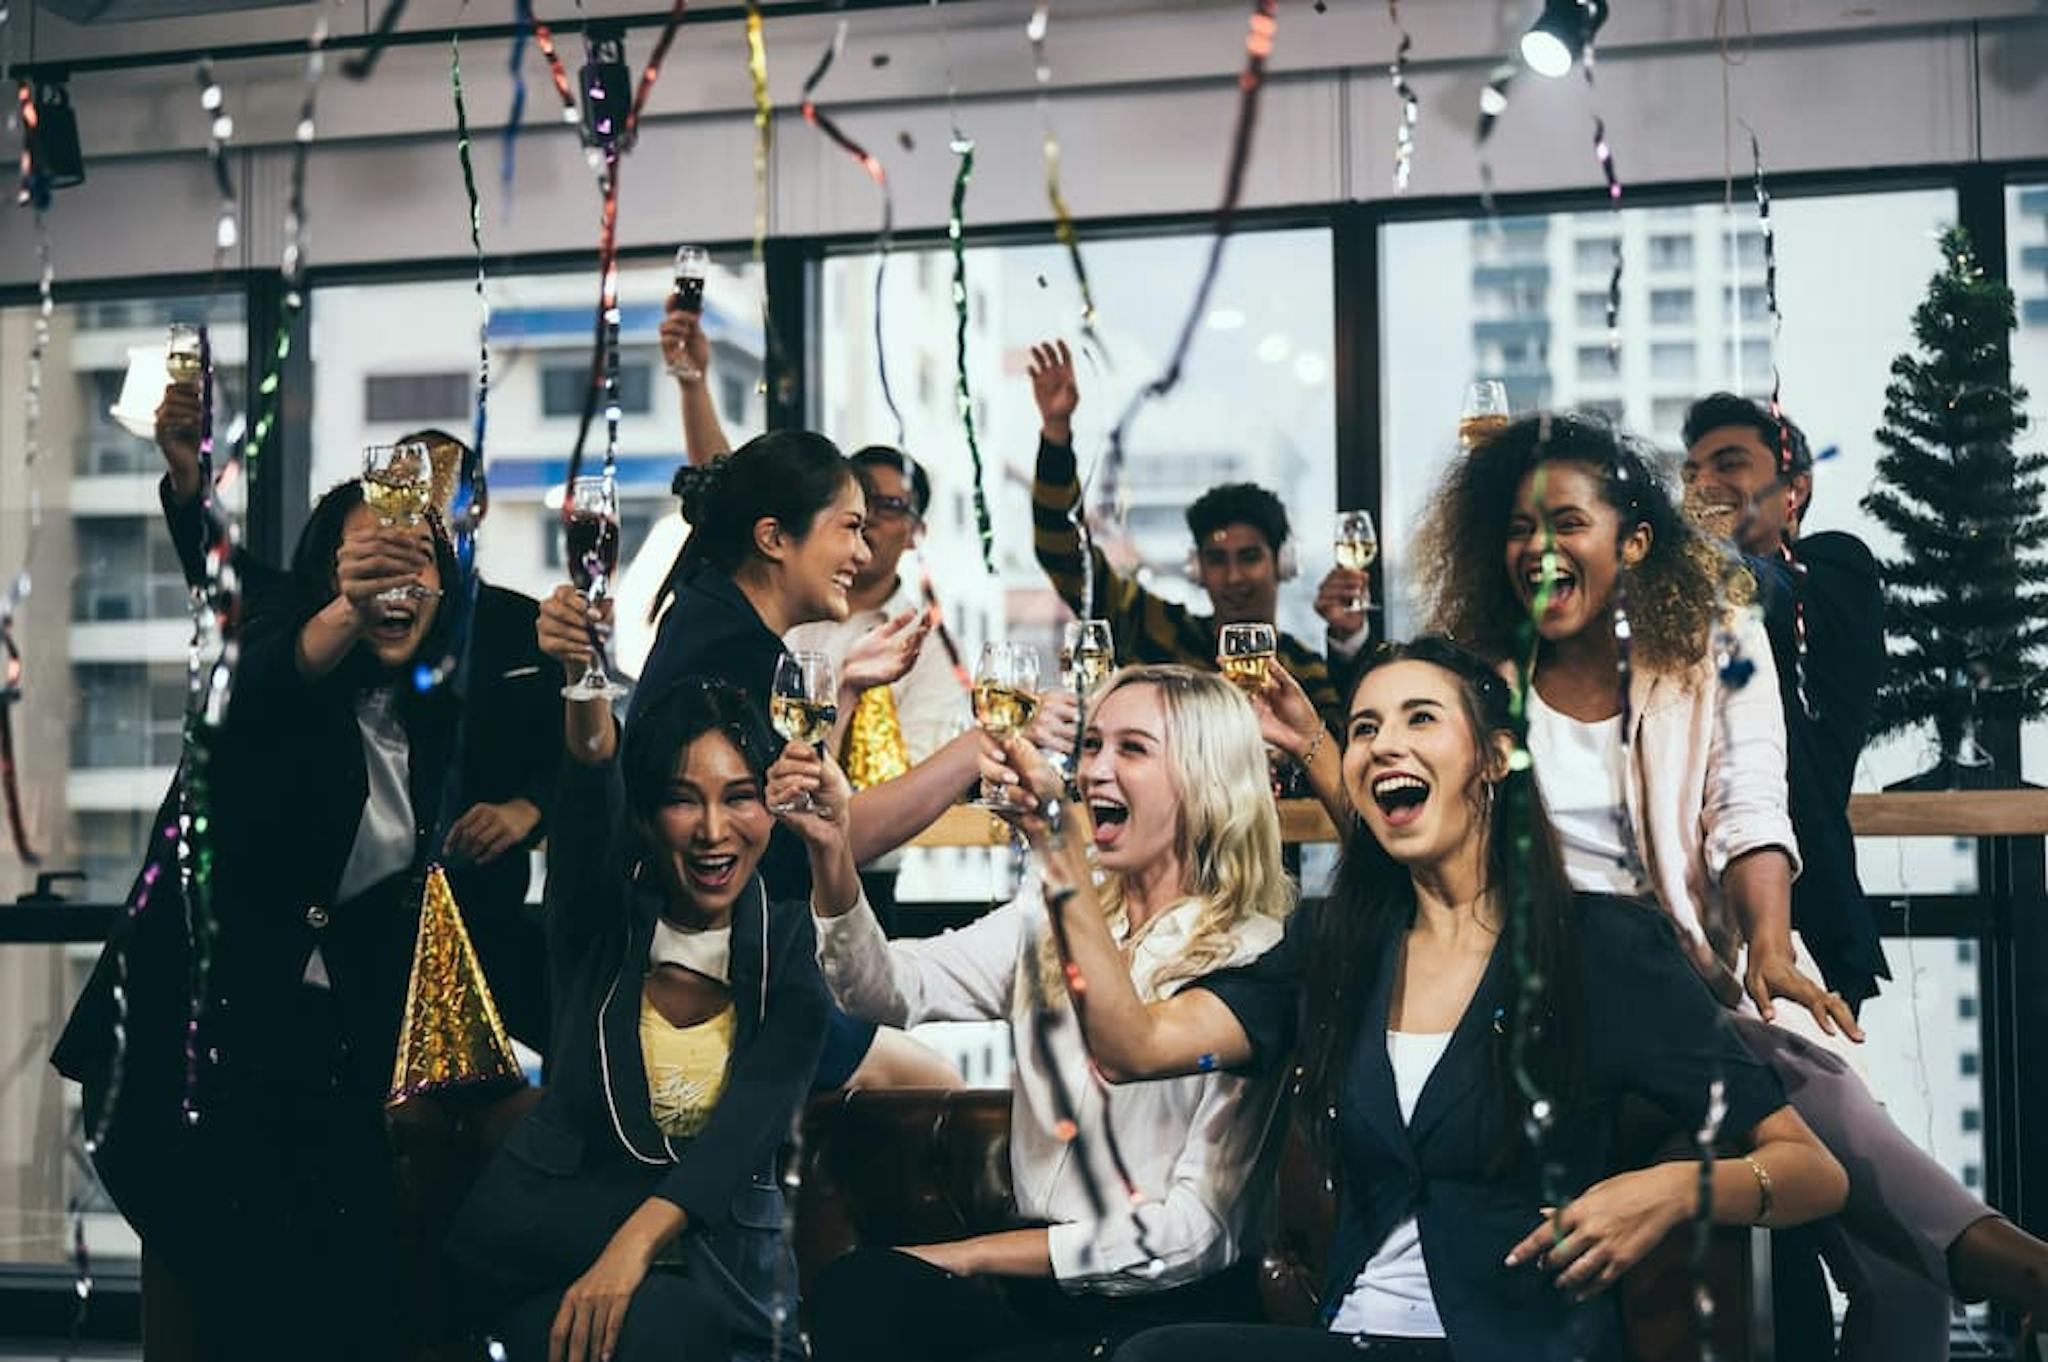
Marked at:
<point>1583,530</point>
<point>710,830</point>
<point>1412,764</point>
<point>1732,489</point>
<point>821,567</point>
<point>1237,568</point>
<point>1125,777</point>
<point>400,625</point>
<point>891,523</point>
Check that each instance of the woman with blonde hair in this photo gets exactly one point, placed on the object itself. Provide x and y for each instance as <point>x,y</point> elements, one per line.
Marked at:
<point>1188,841</point>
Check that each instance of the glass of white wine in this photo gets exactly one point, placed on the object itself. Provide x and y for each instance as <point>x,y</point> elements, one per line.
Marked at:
<point>182,355</point>
<point>1484,415</point>
<point>1087,654</point>
<point>397,484</point>
<point>1358,545</point>
<point>1243,652</point>
<point>1005,700</point>
<point>802,704</point>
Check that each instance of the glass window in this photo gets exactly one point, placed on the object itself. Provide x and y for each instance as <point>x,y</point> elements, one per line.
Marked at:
<point>1593,255</point>
<point>1592,310</point>
<point>1973,1120</point>
<point>2026,244</point>
<point>1966,1006</point>
<point>1968,1063</point>
<point>1852,268</point>
<point>1745,249</point>
<point>540,363</point>
<point>103,639</point>
<point>1671,306</point>
<point>1672,360</point>
<point>1923,1062</point>
<point>418,398</point>
<point>1672,251</point>
<point>1597,361</point>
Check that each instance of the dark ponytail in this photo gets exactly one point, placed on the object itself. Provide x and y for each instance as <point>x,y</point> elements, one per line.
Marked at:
<point>785,475</point>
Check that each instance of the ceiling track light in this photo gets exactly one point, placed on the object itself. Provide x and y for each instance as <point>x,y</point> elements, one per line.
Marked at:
<point>1561,35</point>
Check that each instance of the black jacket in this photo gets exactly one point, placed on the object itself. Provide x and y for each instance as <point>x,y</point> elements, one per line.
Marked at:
<point>1652,1028</point>
<point>1843,606</point>
<point>590,1153</point>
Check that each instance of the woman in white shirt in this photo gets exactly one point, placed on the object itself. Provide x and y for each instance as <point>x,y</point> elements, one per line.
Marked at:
<point>1188,842</point>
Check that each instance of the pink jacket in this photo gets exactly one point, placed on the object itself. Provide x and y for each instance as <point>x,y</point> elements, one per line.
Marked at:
<point>1706,784</point>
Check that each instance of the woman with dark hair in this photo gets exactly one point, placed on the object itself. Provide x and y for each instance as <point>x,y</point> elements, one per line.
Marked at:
<point>636,1212</point>
<point>1661,750</point>
<point>776,542</point>
<point>1408,988</point>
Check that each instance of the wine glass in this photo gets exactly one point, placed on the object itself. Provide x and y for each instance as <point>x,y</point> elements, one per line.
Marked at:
<point>1484,415</point>
<point>693,267</point>
<point>1005,700</point>
<point>590,540</point>
<point>1087,654</point>
<point>802,705</point>
<point>182,353</point>
<point>1358,544</point>
<point>1244,651</point>
<point>396,485</point>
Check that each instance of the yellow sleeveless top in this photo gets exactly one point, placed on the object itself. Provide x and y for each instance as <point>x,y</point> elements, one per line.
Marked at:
<point>685,1067</point>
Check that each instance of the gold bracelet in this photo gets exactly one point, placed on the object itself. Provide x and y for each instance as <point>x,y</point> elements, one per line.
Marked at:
<point>1763,1191</point>
<point>1308,758</point>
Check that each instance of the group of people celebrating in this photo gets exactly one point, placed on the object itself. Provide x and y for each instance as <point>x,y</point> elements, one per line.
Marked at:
<point>1594,846</point>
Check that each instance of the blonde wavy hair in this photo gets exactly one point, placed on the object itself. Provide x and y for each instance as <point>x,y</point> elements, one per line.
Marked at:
<point>1228,831</point>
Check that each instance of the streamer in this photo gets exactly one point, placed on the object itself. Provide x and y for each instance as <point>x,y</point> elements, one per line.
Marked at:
<point>1062,217</point>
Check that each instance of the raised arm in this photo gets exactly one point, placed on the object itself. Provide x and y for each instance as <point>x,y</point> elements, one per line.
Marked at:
<point>685,347</point>
<point>369,562</point>
<point>589,734</point>
<point>1191,1032</point>
<point>1291,721</point>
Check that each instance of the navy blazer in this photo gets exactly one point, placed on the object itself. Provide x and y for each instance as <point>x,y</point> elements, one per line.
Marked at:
<point>590,1153</point>
<point>1652,1029</point>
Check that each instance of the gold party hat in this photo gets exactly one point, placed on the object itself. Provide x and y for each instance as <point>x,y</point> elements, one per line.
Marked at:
<point>449,1035</point>
<point>874,740</point>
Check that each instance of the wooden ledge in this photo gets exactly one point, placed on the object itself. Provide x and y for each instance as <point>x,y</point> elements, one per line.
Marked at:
<point>1945,813</point>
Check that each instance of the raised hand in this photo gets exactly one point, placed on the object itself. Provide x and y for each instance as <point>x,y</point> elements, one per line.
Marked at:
<point>563,628</point>
<point>177,436</point>
<point>1054,389</point>
<point>377,558</point>
<point>803,770</point>
<point>1335,597</point>
<point>685,349</point>
<point>885,654</point>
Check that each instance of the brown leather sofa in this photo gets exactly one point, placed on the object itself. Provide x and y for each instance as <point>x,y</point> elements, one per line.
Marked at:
<point>919,1167</point>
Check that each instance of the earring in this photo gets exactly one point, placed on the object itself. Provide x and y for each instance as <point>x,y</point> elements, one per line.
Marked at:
<point>1486,793</point>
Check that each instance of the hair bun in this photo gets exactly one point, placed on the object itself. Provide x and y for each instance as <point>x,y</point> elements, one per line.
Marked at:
<point>696,484</point>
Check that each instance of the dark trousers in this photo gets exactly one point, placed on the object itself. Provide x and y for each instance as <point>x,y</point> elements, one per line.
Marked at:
<point>879,1305</point>
<point>671,1319</point>
<point>1274,1343</point>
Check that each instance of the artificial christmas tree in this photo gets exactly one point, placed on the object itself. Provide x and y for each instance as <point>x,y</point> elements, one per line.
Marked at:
<point>1966,600</point>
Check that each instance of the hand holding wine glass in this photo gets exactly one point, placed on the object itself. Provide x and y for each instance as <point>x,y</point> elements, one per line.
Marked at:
<point>808,791</point>
<point>686,359</point>
<point>1005,700</point>
<point>590,542</point>
<point>1243,653</point>
<point>803,707</point>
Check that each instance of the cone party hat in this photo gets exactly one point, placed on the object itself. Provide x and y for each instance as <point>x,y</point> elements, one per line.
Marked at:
<point>875,749</point>
<point>449,1035</point>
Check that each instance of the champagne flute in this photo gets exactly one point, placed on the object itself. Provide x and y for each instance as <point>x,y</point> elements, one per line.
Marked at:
<point>1005,700</point>
<point>590,539</point>
<point>803,708</point>
<point>1358,544</point>
<point>1243,652</point>
<point>1087,654</point>
<point>396,486</point>
<point>1484,415</point>
<point>183,363</point>
<point>693,267</point>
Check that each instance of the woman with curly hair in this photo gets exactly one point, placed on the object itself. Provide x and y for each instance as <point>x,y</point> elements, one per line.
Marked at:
<point>1659,742</point>
<point>1188,841</point>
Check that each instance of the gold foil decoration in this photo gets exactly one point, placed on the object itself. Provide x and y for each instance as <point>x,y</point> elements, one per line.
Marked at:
<point>445,457</point>
<point>875,751</point>
<point>449,1034</point>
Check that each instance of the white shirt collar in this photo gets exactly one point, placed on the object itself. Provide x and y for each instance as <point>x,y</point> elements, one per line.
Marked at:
<point>707,952</point>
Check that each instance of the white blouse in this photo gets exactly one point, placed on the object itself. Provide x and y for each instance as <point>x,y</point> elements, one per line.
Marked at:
<point>1580,769</point>
<point>1193,1144</point>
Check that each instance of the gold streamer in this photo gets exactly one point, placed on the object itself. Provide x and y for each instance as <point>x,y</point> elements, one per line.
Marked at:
<point>449,1035</point>
<point>875,749</point>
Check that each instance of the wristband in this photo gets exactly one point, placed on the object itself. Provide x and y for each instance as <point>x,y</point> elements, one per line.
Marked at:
<point>1763,1191</point>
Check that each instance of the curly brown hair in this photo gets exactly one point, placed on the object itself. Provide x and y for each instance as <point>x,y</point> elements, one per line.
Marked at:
<point>1676,593</point>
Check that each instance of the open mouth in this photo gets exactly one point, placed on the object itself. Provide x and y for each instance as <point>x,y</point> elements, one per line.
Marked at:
<point>395,624</point>
<point>1561,579</point>
<point>1400,797</point>
<point>710,872</point>
<point>843,579</point>
<point>1109,817</point>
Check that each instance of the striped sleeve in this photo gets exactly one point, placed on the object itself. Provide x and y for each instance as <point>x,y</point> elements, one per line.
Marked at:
<point>1144,624</point>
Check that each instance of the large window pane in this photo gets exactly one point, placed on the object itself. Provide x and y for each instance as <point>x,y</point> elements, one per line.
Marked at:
<point>2026,236</point>
<point>1851,270</point>
<point>103,638</point>
<point>369,342</point>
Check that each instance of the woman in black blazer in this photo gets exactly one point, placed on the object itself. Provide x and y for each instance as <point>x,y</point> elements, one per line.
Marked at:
<point>1403,987</point>
<point>636,1211</point>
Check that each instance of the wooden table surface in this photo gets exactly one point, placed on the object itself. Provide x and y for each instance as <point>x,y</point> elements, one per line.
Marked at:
<point>1944,813</point>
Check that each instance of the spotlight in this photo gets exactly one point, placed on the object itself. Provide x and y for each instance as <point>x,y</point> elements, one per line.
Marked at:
<point>607,85</point>
<point>53,151</point>
<point>1554,43</point>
